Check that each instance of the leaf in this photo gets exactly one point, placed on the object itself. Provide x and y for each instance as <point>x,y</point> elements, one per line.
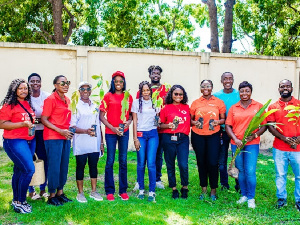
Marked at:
<point>99,83</point>
<point>291,119</point>
<point>289,107</point>
<point>96,77</point>
<point>107,84</point>
<point>101,94</point>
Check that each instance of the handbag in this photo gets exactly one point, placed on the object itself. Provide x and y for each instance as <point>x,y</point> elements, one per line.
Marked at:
<point>38,177</point>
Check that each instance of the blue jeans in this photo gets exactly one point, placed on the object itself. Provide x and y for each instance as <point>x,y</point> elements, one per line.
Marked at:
<point>223,157</point>
<point>149,143</point>
<point>246,162</point>
<point>20,151</point>
<point>111,142</point>
<point>179,148</point>
<point>41,153</point>
<point>58,154</point>
<point>282,160</point>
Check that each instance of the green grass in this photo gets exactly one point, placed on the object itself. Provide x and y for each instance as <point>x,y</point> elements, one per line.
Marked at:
<point>164,211</point>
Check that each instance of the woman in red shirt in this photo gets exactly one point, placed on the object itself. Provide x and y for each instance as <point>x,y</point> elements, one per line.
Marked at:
<point>208,113</point>
<point>56,117</point>
<point>111,108</point>
<point>175,122</point>
<point>16,118</point>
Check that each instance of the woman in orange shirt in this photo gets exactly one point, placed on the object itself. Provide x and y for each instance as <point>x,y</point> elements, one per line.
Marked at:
<point>238,119</point>
<point>207,114</point>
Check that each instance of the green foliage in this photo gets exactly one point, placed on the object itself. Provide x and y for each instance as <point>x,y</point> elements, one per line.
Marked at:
<point>98,89</point>
<point>293,113</point>
<point>125,105</point>
<point>254,124</point>
<point>74,100</point>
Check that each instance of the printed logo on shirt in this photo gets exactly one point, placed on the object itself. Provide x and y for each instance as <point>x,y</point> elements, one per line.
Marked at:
<point>183,112</point>
<point>25,116</point>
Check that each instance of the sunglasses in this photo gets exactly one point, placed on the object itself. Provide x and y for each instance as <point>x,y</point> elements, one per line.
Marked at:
<point>208,86</point>
<point>119,81</point>
<point>178,94</point>
<point>85,89</point>
<point>63,83</point>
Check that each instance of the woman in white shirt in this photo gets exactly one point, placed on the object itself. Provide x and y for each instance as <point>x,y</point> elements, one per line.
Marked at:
<point>145,138</point>
<point>37,99</point>
<point>87,141</point>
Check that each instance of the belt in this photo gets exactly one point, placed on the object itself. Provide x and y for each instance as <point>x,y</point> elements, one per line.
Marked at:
<point>178,134</point>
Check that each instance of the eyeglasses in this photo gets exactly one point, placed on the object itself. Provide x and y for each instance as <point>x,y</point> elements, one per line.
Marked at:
<point>35,81</point>
<point>63,83</point>
<point>85,89</point>
<point>208,86</point>
<point>176,94</point>
<point>118,81</point>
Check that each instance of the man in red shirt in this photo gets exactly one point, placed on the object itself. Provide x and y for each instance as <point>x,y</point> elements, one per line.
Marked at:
<point>286,149</point>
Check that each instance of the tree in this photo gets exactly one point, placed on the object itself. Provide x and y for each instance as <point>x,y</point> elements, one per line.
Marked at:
<point>39,21</point>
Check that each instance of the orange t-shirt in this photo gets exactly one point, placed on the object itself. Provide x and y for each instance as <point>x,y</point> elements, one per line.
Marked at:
<point>288,129</point>
<point>239,118</point>
<point>207,109</point>
<point>15,115</point>
<point>58,113</point>
<point>111,105</point>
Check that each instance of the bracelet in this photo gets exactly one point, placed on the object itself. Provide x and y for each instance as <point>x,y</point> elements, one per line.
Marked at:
<point>255,135</point>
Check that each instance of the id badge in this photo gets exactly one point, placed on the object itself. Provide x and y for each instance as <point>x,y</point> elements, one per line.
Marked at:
<point>139,134</point>
<point>173,138</point>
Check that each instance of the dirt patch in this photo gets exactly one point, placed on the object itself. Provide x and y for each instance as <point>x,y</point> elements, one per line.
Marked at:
<point>267,152</point>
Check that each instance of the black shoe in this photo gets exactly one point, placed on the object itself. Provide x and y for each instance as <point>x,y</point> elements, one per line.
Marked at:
<point>281,202</point>
<point>184,193</point>
<point>54,201</point>
<point>63,198</point>
<point>297,206</point>
<point>175,194</point>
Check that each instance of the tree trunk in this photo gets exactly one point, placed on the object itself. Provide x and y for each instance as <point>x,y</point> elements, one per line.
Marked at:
<point>213,22</point>
<point>57,7</point>
<point>227,35</point>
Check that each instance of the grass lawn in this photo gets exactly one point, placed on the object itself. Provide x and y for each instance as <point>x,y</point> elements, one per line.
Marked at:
<point>164,211</point>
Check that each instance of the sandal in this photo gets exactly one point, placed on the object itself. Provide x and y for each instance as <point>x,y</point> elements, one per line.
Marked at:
<point>35,196</point>
<point>45,195</point>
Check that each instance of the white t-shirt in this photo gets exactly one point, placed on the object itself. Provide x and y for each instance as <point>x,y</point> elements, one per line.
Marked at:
<point>145,120</point>
<point>86,115</point>
<point>38,104</point>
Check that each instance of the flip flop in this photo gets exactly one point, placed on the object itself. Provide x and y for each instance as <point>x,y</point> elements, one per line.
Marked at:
<point>35,196</point>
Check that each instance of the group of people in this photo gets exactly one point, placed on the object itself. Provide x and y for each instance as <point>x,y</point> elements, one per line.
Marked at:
<point>214,120</point>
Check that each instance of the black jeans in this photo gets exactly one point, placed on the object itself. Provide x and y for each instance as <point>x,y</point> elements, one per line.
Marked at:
<point>93,159</point>
<point>223,157</point>
<point>207,153</point>
<point>181,149</point>
<point>159,158</point>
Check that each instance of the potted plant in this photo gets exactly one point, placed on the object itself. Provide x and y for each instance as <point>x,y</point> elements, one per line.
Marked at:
<point>124,110</point>
<point>293,115</point>
<point>158,101</point>
<point>254,124</point>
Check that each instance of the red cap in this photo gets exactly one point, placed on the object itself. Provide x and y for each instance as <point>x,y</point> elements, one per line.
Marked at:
<point>118,73</point>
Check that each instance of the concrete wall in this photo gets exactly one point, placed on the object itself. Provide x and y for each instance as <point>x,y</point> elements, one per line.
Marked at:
<point>186,68</point>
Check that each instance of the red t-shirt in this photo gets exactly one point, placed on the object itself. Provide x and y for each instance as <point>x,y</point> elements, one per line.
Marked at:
<point>288,129</point>
<point>111,105</point>
<point>239,118</point>
<point>168,113</point>
<point>58,113</point>
<point>15,115</point>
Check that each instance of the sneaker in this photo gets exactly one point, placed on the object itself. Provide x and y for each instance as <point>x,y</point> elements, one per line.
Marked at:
<point>297,205</point>
<point>141,194</point>
<point>184,193</point>
<point>110,197</point>
<point>96,196</point>
<point>54,201</point>
<point>242,200</point>
<point>281,202</point>
<point>23,207</point>
<point>151,197</point>
<point>124,196</point>
<point>160,185</point>
<point>175,194</point>
<point>81,198</point>
<point>202,196</point>
<point>63,198</point>
<point>251,203</point>
<point>136,187</point>
<point>213,198</point>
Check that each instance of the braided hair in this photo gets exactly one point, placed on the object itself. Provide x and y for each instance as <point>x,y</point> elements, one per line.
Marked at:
<point>141,85</point>
<point>11,97</point>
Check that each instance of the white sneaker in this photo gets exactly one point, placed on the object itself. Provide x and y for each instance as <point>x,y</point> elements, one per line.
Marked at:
<point>251,203</point>
<point>96,196</point>
<point>160,185</point>
<point>81,198</point>
<point>242,200</point>
<point>136,187</point>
